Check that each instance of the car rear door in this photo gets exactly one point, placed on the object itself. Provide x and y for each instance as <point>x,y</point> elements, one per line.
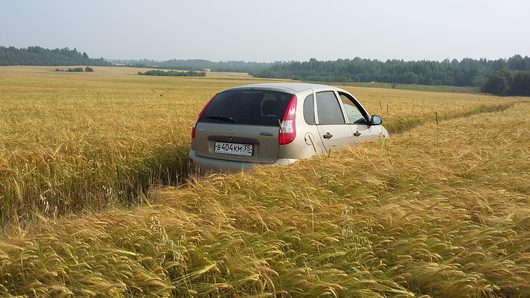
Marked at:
<point>241,125</point>
<point>332,127</point>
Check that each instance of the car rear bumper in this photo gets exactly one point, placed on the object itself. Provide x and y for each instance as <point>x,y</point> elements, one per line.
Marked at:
<point>206,164</point>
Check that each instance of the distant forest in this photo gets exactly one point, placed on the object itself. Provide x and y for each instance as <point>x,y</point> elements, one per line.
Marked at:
<point>197,65</point>
<point>41,56</point>
<point>503,76</point>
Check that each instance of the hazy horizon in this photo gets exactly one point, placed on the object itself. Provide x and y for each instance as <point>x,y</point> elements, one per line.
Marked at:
<point>252,31</point>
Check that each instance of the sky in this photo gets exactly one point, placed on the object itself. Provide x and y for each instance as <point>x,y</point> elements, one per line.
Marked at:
<point>271,30</point>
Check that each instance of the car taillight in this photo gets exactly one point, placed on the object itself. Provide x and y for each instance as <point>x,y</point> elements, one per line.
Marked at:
<point>288,125</point>
<point>198,118</point>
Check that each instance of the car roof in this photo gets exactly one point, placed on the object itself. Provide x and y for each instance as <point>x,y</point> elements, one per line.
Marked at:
<point>285,87</point>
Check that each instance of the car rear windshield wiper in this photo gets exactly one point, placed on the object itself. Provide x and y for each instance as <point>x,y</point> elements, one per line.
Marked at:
<point>223,118</point>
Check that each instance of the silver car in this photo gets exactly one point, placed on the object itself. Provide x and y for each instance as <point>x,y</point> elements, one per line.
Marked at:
<point>277,123</point>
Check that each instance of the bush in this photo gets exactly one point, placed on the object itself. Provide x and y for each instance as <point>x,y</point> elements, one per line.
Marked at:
<point>75,69</point>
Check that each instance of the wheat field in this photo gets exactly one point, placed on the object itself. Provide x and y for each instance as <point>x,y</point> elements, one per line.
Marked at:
<point>96,199</point>
<point>88,141</point>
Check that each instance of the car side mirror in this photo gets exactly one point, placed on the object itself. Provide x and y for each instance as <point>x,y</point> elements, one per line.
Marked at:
<point>376,120</point>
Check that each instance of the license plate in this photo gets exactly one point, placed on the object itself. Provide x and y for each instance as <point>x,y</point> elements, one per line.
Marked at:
<point>233,148</point>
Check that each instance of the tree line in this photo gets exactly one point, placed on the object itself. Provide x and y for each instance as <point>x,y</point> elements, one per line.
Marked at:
<point>173,73</point>
<point>50,57</point>
<point>196,64</point>
<point>501,76</point>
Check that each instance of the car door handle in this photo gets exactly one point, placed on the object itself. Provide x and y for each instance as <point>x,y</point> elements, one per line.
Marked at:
<point>357,133</point>
<point>327,135</point>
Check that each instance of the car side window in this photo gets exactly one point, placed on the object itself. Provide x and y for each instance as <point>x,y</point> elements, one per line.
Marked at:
<point>309,110</point>
<point>328,108</point>
<point>352,111</point>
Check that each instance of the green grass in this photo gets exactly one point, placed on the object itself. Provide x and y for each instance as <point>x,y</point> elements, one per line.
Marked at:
<point>416,87</point>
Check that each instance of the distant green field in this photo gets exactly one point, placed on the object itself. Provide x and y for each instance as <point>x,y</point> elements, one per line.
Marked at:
<point>432,88</point>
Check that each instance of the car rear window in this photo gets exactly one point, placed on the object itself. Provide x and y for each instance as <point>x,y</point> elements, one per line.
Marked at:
<point>249,107</point>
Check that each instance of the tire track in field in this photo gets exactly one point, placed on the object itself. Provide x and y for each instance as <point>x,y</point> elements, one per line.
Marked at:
<point>408,124</point>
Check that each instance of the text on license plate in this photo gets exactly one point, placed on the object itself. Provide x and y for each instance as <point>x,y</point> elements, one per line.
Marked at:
<point>233,148</point>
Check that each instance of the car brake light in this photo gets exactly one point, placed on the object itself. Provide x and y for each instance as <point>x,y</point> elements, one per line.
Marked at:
<point>288,125</point>
<point>199,117</point>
